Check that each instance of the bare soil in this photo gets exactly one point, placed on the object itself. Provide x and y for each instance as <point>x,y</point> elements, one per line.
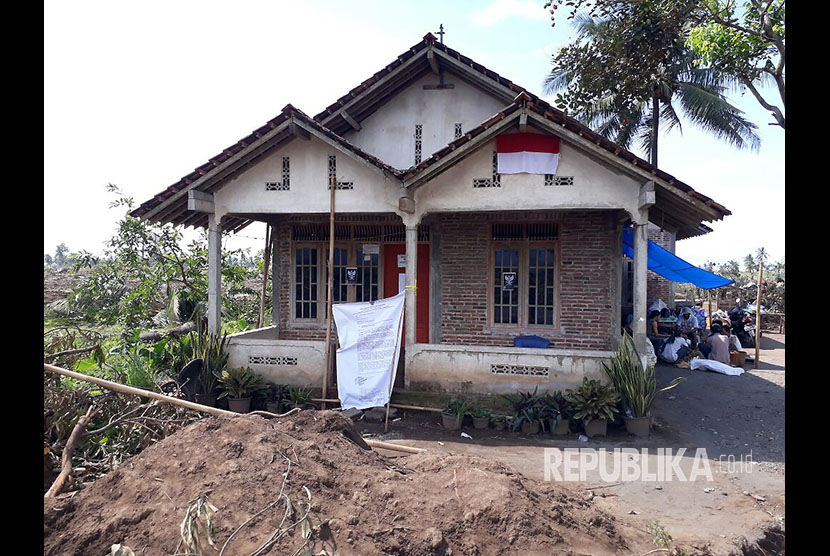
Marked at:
<point>362,502</point>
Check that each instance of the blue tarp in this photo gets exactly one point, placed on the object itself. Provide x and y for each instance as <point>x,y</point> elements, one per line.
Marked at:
<point>670,266</point>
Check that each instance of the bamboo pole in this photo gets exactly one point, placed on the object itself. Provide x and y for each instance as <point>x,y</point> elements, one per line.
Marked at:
<point>392,373</point>
<point>396,447</point>
<point>333,186</point>
<point>758,314</point>
<point>266,264</point>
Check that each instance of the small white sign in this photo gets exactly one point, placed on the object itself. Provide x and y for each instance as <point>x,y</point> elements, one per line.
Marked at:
<point>371,249</point>
<point>402,261</point>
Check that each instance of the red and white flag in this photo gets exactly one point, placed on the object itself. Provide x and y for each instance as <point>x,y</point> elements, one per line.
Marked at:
<point>529,153</point>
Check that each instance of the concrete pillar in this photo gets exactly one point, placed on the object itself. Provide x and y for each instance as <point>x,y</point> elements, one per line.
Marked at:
<point>214,274</point>
<point>275,281</point>
<point>410,306</point>
<point>638,326</point>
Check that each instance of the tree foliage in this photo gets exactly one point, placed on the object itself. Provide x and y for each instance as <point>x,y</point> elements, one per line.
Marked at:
<point>147,276</point>
<point>625,112</point>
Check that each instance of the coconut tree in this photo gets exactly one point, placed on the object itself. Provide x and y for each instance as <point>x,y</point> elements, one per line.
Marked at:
<point>680,90</point>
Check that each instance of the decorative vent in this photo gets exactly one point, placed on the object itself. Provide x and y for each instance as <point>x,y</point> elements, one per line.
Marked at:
<point>534,231</point>
<point>550,179</point>
<point>357,232</point>
<point>494,180</point>
<point>457,130</point>
<point>526,370</point>
<point>285,184</point>
<point>418,137</point>
<point>266,360</point>
<point>333,174</point>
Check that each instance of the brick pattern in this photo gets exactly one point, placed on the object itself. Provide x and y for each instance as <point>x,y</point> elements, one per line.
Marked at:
<point>658,287</point>
<point>586,276</point>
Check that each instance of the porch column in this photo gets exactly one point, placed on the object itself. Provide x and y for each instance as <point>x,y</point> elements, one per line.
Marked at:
<point>214,274</point>
<point>411,289</point>
<point>640,232</point>
<point>275,281</point>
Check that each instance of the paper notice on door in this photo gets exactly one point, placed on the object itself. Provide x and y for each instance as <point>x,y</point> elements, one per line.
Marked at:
<point>370,344</point>
<point>402,282</point>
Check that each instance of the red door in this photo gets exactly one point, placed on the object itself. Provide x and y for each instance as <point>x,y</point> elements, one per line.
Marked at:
<point>394,278</point>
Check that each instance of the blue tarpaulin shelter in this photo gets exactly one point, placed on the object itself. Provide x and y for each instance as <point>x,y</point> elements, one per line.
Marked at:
<point>670,266</point>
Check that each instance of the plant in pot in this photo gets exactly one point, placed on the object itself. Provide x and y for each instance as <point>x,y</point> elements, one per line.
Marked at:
<point>481,417</point>
<point>299,397</point>
<point>453,414</point>
<point>276,394</point>
<point>557,412</point>
<point>594,404</point>
<point>500,422</point>
<point>239,385</point>
<point>529,420</point>
<point>212,350</point>
<point>636,385</point>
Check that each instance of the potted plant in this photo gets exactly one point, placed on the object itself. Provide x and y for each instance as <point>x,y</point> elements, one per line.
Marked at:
<point>481,417</point>
<point>277,393</point>
<point>299,397</point>
<point>557,412</point>
<point>636,385</point>
<point>239,384</point>
<point>453,414</point>
<point>593,404</point>
<point>529,420</point>
<point>212,350</point>
<point>500,422</point>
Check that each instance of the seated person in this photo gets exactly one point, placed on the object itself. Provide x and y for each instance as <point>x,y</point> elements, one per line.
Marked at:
<point>688,326</point>
<point>718,344</point>
<point>653,331</point>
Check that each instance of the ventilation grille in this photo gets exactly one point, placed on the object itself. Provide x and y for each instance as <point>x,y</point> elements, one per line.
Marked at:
<point>550,179</point>
<point>525,370</point>
<point>535,231</point>
<point>266,360</point>
<point>418,135</point>
<point>494,180</point>
<point>392,233</point>
<point>333,174</point>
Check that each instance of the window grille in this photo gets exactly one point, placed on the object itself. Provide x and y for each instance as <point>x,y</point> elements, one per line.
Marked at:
<point>305,300</point>
<point>368,274</point>
<point>534,231</point>
<point>540,286</point>
<point>391,233</point>
<point>506,303</point>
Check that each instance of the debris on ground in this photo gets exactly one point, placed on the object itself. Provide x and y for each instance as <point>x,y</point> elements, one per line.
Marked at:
<point>301,483</point>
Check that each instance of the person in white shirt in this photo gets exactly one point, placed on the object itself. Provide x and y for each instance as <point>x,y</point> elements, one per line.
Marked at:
<point>688,326</point>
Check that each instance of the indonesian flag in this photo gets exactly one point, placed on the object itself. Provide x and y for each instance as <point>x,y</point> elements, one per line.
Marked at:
<point>529,153</point>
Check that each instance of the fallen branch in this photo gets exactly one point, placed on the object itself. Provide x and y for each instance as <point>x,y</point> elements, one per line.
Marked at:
<point>53,356</point>
<point>66,459</point>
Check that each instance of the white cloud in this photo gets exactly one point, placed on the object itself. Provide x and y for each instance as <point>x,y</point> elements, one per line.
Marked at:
<point>499,10</point>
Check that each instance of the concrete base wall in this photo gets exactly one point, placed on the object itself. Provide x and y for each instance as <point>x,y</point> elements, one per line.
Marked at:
<point>294,362</point>
<point>498,370</point>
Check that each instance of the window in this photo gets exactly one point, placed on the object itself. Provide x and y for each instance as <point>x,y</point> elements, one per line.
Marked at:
<point>528,251</point>
<point>305,283</point>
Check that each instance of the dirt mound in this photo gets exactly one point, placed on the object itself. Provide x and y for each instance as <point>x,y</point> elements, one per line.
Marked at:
<point>361,502</point>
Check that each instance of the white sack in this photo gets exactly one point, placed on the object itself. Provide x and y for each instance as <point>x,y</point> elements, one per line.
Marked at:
<point>699,364</point>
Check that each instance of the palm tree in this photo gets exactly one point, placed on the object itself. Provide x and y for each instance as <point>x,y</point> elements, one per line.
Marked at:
<point>697,93</point>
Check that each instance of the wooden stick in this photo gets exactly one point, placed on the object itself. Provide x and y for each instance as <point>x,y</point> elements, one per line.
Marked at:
<point>758,315</point>
<point>66,458</point>
<point>266,263</point>
<point>390,446</point>
<point>392,374</point>
<point>52,356</point>
<point>333,186</point>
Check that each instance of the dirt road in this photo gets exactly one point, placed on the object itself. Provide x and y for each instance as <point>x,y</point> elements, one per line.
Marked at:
<point>737,416</point>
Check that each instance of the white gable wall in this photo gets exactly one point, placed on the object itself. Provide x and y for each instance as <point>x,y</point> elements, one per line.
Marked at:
<point>308,191</point>
<point>595,187</point>
<point>389,133</point>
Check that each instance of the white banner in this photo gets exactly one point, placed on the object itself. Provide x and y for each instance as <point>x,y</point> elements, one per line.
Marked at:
<point>370,345</point>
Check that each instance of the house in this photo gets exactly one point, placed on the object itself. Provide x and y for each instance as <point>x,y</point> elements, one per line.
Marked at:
<point>420,206</point>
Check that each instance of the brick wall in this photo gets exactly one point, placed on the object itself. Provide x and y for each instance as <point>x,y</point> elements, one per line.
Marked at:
<point>658,287</point>
<point>586,280</point>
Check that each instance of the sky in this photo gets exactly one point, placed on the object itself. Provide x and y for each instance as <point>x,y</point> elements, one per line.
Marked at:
<point>138,94</point>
